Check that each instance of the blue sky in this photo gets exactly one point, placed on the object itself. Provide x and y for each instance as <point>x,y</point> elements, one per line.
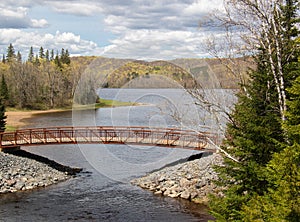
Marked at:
<point>148,29</point>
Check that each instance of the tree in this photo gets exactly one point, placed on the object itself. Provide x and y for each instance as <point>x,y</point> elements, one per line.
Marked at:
<point>37,60</point>
<point>31,55</point>
<point>41,53</point>
<point>255,136</point>
<point>19,57</point>
<point>2,116</point>
<point>4,94</point>
<point>47,56</point>
<point>52,55</point>
<point>10,56</point>
<point>282,201</point>
<point>66,57</point>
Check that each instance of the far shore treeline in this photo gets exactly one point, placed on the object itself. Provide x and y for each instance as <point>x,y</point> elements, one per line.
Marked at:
<point>46,79</point>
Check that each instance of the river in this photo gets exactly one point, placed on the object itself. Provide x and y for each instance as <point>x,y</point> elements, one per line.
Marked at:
<point>102,192</point>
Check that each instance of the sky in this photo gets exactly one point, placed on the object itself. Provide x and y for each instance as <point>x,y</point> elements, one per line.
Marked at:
<point>135,29</point>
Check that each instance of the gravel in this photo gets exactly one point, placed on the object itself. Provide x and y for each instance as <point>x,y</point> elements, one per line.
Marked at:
<point>19,173</point>
<point>192,180</point>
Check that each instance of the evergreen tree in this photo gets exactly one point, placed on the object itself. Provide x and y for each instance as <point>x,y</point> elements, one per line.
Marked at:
<point>47,56</point>
<point>31,55</point>
<point>10,56</point>
<point>41,53</point>
<point>4,90</point>
<point>52,55</point>
<point>65,57</point>
<point>2,116</point>
<point>19,57</point>
<point>282,200</point>
<point>57,60</point>
<point>36,60</point>
<point>255,136</point>
<point>3,59</point>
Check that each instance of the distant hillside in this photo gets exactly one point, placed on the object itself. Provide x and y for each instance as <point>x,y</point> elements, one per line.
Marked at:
<point>209,73</point>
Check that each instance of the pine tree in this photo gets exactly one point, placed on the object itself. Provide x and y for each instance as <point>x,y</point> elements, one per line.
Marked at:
<point>4,90</point>
<point>65,57</point>
<point>253,137</point>
<point>256,136</point>
<point>10,56</point>
<point>37,60</point>
<point>282,200</point>
<point>47,56</point>
<point>52,55</point>
<point>3,59</point>
<point>19,57</point>
<point>31,55</point>
<point>57,60</point>
<point>41,53</point>
<point>2,116</point>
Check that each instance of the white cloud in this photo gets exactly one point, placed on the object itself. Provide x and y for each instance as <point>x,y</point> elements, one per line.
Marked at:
<point>143,29</point>
<point>83,8</point>
<point>23,40</point>
<point>41,23</point>
<point>155,44</point>
<point>18,18</point>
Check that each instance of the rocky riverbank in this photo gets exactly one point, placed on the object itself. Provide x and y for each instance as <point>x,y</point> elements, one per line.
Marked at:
<point>25,171</point>
<point>192,180</point>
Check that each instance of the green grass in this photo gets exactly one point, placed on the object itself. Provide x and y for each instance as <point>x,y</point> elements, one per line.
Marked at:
<point>105,103</point>
<point>10,128</point>
<point>113,103</point>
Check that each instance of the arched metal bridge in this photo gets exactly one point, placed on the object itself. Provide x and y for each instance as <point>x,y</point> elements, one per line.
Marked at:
<point>167,137</point>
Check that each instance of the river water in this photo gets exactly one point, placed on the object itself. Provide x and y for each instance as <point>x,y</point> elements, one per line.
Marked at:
<point>102,192</point>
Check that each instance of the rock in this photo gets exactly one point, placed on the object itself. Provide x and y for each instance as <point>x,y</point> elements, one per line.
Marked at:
<point>159,192</point>
<point>10,182</point>
<point>162,179</point>
<point>192,180</point>
<point>194,195</point>
<point>19,185</point>
<point>185,195</point>
<point>183,182</point>
<point>173,195</point>
<point>21,173</point>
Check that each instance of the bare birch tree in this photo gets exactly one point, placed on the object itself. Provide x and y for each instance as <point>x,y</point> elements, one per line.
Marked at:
<point>259,25</point>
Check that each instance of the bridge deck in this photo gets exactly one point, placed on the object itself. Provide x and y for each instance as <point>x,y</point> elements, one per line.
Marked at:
<point>170,137</point>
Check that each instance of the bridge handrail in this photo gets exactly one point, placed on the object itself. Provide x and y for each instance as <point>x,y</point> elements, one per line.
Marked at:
<point>43,135</point>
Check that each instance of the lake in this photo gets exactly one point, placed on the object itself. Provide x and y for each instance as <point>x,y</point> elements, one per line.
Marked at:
<point>102,192</point>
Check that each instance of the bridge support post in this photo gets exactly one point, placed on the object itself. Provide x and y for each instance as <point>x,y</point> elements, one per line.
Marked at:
<point>10,149</point>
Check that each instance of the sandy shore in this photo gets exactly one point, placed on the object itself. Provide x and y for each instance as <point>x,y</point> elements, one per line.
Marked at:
<point>16,118</point>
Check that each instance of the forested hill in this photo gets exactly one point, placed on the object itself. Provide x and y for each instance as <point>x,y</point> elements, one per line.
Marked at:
<point>209,73</point>
<point>50,80</point>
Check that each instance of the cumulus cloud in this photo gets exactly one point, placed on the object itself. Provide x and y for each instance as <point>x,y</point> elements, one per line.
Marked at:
<point>23,40</point>
<point>156,44</point>
<point>157,14</point>
<point>18,18</point>
<point>143,29</point>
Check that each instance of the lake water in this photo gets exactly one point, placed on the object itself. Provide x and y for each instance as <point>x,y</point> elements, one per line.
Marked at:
<point>102,192</point>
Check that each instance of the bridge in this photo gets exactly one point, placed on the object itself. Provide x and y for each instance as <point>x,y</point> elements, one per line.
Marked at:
<point>166,137</point>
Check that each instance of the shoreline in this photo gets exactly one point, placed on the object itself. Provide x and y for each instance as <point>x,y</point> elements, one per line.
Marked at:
<point>192,180</point>
<point>23,171</point>
<point>16,119</point>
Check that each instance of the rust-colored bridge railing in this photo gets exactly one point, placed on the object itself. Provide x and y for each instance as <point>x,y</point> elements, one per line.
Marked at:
<point>170,137</point>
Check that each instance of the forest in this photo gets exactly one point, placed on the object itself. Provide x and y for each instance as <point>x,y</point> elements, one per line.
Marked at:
<point>54,79</point>
<point>43,81</point>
